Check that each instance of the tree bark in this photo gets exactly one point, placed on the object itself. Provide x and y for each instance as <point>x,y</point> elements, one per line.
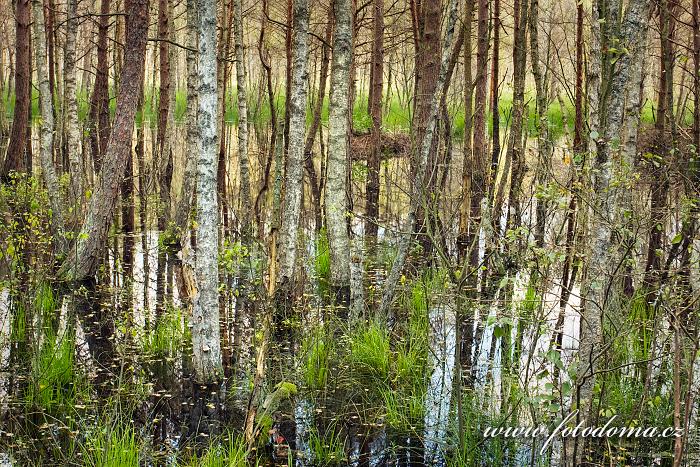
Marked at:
<point>544,144</point>
<point>48,130</point>
<point>71,106</point>
<point>376,88</point>
<point>495,114</point>
<point>242,88</point>
<point>336,205</point>
<point>665,127</point>
<point>416,191</point>
<point>316,122</point>
<point>163,143</point>
<point>514,151</point>
<point>291,204</point>
<point>86,256</point>
<point>18,155</point>
<point>206,342</point>
<point>99,102</point>
<point>596,284</point>
<point>463,237</point>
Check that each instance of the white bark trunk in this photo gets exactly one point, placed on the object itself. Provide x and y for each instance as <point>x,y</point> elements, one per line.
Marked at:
<point>71,106</point>
<point>241,86</point>
<point>205,315</point>
<point>597,282</point>
<point>336,205</point>
<point>47,128</point>
<point>291,204</point>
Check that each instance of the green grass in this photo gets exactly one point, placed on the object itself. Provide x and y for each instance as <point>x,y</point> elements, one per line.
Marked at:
<point>369,352</point>
<point>230,451</point>
<point>112,446</point>
<point>166,339</point>
<point>54,382</point>
<point>317,349</point>
<point>396,116</point>
<point>322,262</point>
<point>328,449</point>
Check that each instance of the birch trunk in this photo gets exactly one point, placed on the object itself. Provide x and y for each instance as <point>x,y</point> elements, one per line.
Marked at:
<point>71,106</point>
<point>596,284</point>
<point>48,130</point>
<point>205,314</point>
<point>336,205</point>
<point>291,203</point>
<point>241,87</point>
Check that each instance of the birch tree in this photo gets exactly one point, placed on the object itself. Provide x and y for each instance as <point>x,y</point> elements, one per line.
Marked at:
<point>206,344</point>
<point>336,187</point>
<point>47,129</point>
<point>291,203</point>
<point>242,88</point>
<point>597,284</point>
<point>71,105</point>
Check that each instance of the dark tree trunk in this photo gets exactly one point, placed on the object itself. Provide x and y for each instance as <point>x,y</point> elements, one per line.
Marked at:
<point>19,148</point>
<point>165,159</point>
<point>463,238</point>
<point>376,88</point>
<point>316,122</point>
<point>84,259</point>
<point>515,152</point>
<point>427,70</point>
<point>99,102</point>
<point>495,115</point>
<point>665,123</point>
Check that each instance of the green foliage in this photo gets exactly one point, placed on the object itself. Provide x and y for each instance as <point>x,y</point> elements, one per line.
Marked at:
<point>229,452</point>
<point>28,226</point>
<point>369,352</point>
<point>168,335</point>
<point>317,348</point>
<point>322,261</point>
<point>112,446</point>
<point>327,449</point>
<point>54,382</point>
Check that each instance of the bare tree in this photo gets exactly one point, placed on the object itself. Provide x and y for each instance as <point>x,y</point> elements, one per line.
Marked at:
<point>291,203</point>
<point>48,129</point>
<point>375,110</point>
<point>206,342</point>
<point>242,88</point>
<point>19,148</point>
<point>336,205</point>
<point>86,256</point>
<point>416,193</point>
<point>595,288</point>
